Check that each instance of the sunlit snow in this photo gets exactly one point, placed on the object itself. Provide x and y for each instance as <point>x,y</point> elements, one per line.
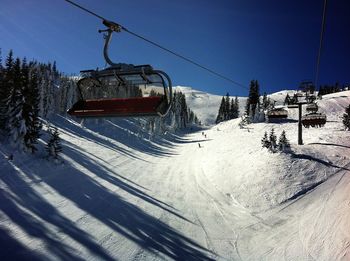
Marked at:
<point>211,194</point>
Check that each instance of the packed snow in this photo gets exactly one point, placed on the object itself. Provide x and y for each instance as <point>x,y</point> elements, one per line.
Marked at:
<point>118,193</point>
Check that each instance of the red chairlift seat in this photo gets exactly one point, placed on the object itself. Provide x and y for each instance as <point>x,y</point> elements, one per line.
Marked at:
<point>120,107</point>
<point>126,91</point>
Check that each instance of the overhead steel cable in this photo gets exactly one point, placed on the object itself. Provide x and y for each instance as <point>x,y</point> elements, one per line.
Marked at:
<point>160,46</point>
<point>321,42</point>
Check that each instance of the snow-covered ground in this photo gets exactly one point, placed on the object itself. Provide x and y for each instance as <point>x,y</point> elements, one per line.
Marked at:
<point>119,195</point>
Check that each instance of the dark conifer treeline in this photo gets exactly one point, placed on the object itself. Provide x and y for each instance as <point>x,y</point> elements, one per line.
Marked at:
<point>327,89</point>
<point>180,117</point>
<point>29,92</point>
<point>229,109</point>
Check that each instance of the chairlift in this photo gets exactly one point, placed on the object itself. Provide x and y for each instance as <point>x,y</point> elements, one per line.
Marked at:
<point>277,113</point>
<point>314,119</point>
<point>312,107</point>
<point>122,90</point>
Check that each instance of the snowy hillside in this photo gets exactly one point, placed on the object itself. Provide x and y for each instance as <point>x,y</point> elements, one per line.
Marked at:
<point>120,194</point>
<point>206,105</point>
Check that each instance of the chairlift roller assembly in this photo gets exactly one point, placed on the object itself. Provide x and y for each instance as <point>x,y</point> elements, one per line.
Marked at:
<point>122,90</point>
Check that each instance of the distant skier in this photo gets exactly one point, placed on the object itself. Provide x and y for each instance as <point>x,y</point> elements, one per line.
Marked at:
<point>205,135</point>
<point>199,145</point>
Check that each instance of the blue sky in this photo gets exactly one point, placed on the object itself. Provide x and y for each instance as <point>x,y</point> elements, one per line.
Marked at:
<point>275,42</point>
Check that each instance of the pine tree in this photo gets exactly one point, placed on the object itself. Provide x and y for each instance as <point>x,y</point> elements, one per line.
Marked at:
<point>245,120</point>
<point>221,112</point>
<point>16,122</point>
<point>283,143</point>
<point>32,111</point>
<point>227,107</point>
<point>287,100</point>
<point>265,141</point>
<point>265,102</point>
<point>236,108</point>
<point>2,96</point>
<point>346,118</point>
<point>196,121</point>
<point>253,98</point>
<point>53,146</point>
<point>6,91</point>
<point>273,140</point>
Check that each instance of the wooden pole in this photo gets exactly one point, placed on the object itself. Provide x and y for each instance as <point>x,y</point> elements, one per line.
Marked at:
<point>300,126</point>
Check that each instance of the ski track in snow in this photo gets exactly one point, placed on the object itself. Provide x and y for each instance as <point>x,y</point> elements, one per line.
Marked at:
<point>109,201</point>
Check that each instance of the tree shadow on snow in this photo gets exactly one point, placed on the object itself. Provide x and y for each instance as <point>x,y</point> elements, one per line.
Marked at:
<point>27,209</point>
<point>323,162</point>
<point>330,144</point>
<point>71,128</point>
<point>110,175</point>
<point>34,214</point>
<point>124,133</point>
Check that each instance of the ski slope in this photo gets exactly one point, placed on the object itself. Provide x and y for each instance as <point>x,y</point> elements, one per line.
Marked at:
<point>120,194</point>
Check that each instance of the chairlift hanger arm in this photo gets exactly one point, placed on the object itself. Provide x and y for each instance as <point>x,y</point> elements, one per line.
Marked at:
<point>113,25</point>
<point>108,38</point>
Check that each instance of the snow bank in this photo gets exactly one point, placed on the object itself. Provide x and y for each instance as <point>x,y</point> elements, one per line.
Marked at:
<point>259,180</point>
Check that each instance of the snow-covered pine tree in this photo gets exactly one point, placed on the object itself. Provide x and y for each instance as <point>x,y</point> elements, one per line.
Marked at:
<point>286,100</point>
<point>16,122</point>
<point>191,116</point>
<point>346,118</point>
<point>2,95</point>
<point>283,143</point>
<point>265,141</point>
<point>273,141</point>
<point>245,120</point>
<point>253,98</point>
<point>196,120</point>
<point>6,91</point>
<point>31,112</point>
<point>265,102</point>
<point>232,109</point>
<point>183,115</point>
<point>236,108</point>
<point>227,107</point>
<point>53,146</point>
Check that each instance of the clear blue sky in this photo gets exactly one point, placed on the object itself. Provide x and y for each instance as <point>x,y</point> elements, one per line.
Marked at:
<point>275,42</point>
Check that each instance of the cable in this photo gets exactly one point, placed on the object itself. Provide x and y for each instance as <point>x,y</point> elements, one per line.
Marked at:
<point>321,42</point>
<point>185,58</point>
<point>161,47</point>
<point>84,9</point>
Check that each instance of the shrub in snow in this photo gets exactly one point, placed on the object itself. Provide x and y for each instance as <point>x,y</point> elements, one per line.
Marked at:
<point>245,120</point>
<point>53,146</point>
<point>265,141</point>
<point>270,142</point>
<point>346,118</point>
<point>283,143</point>
<point>273,141</point>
